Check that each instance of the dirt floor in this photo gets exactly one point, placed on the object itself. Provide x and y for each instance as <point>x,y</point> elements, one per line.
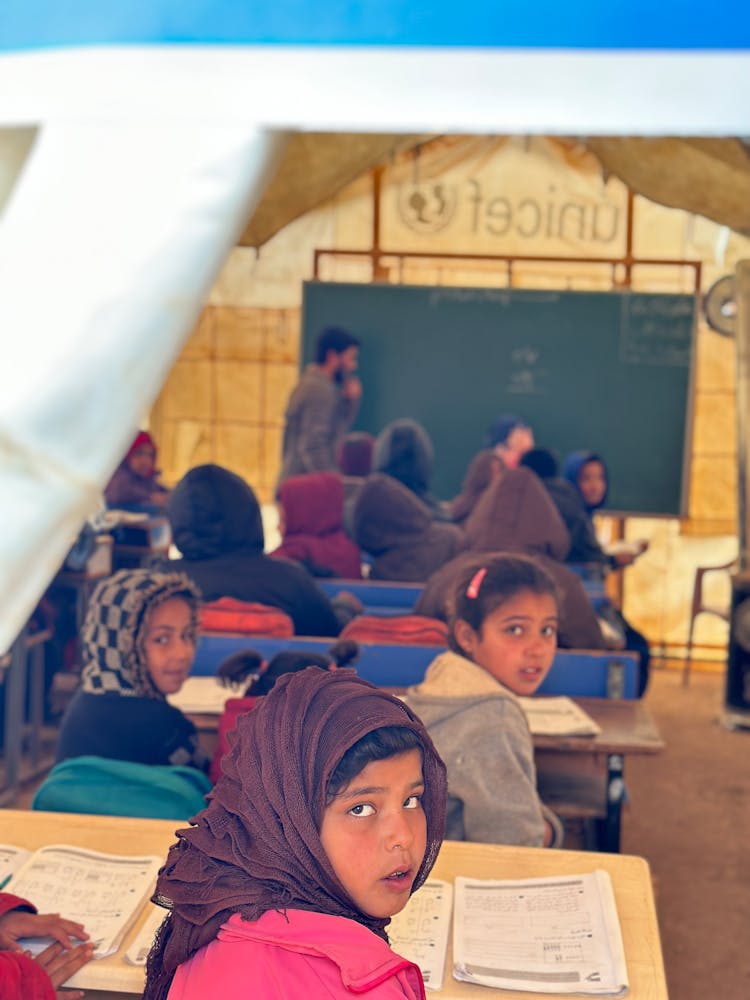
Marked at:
<point>689,816</point>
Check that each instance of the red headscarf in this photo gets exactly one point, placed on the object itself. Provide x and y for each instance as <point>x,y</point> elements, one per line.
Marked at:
<point>256,846</point>
<point>141,438</point>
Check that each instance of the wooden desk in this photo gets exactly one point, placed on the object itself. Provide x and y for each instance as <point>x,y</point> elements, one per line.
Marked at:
<point>583,776</point>
<point>112,834</point>
<point>112,979</point>
<point>577,776</point>
<point>631,880</point>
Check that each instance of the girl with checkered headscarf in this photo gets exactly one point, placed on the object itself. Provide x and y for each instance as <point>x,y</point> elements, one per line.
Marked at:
<point>138,644</point>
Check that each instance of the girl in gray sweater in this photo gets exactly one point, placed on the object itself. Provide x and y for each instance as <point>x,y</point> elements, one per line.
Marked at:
<point>503,640</point>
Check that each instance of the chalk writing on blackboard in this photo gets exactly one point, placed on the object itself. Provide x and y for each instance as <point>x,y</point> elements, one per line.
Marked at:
<point>656,331</point>
<point>501,296</point>
<point>525,377</point>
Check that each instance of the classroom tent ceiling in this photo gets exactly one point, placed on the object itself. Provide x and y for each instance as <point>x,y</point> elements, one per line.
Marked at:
<point>709,177</point>
<point>313,168</point>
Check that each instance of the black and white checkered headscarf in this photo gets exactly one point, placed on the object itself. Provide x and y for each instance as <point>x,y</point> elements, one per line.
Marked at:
<point>113,631</point>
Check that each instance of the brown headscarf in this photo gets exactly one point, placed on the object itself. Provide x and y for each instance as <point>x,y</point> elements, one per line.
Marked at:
<point>256,846</point>
<point>483,469</point>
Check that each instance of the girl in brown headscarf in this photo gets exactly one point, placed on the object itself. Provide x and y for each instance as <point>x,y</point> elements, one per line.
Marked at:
<point>329,815</point>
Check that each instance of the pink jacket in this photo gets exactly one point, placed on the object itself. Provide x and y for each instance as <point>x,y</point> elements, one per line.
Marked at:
<point>285,956</point>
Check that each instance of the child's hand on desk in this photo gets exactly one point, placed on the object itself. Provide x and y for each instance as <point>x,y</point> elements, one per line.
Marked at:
<point>20,924</point>
<point>60,964</point>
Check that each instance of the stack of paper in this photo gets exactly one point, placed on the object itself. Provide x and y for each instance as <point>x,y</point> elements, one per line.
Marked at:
<point>549,935</point>
<point>202,695</point>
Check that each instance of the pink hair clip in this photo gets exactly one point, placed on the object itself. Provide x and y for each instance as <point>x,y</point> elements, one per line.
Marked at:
<point>475,583</point>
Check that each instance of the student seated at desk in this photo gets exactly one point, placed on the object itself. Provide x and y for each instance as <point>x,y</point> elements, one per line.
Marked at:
<point>329,815</point>
<point>503,641</point>
<point>577,627</point>
<point>509,436</point>
<point>311,522</point>
<point>138,642</point>
<point>25,978</point>
<point>403,450</point>
<point>587,473</point>
<point>483,470</point>
<point>393,525</point>
<point>249,665</point>
<point>584,546</point>
<point>515,514</point>
<point>217,526</point>
<point>135,483</point>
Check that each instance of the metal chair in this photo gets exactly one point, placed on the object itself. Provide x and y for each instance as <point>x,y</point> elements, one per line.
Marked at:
<point>700,607</point>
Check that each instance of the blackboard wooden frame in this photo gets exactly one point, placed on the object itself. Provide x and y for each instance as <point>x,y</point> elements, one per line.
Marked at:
<point>611,372</point>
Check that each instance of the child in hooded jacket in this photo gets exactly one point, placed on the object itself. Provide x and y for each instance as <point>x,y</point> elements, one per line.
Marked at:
<point>311,522</point>
<point>503,638</point>
<point>218,527</point>
<point>330,813</point>
<point>587,472</point>
<point>138,641</point>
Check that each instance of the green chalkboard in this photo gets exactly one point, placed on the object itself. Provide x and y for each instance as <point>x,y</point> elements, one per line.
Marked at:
<point>606,371</point>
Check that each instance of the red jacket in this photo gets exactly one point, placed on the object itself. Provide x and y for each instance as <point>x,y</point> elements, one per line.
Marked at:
<point>313,509</point>
<point>20,977</point>
<point>285,956</point>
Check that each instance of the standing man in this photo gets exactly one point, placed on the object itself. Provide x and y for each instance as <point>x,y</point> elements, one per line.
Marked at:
<point>322,405</point>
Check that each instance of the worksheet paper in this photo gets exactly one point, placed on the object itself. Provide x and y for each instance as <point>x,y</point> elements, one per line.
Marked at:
<point>202,695</point>
<point>11,859</point>
<point>549,935</point>
<point>420,931</point>
<point>138,951</point>
<point>104,892</point>
<point>559,716</point>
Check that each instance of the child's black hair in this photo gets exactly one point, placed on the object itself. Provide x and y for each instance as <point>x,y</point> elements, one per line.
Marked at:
<point>542,461</point>
<point>236,669</point>
<point>380,744</point>
<point>485,586</point>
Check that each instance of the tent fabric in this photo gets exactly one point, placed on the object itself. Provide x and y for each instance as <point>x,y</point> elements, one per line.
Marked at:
<point>709,177</point>
<point>109,244</point>
<point>313,168</point>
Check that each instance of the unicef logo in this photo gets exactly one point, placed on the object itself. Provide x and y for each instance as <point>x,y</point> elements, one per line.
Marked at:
<point>426,208</point>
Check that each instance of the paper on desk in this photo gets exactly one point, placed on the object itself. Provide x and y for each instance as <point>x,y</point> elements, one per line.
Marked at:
<point>420,931</point>
<point>203,695</point>
<point>559,934</point>
<point>11,859</point>
<point>104,892</point>
<point>138,951</point>
<point>559,716</point>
